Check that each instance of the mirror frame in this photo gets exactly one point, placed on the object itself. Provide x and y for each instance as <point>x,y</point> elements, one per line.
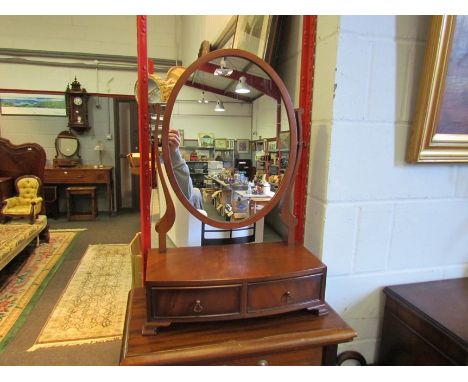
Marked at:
<point>288,176</point>
<point>67,135</point>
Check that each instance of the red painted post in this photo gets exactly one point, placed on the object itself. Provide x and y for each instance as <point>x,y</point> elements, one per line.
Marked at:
<point>309,27</point>
<point>143,135</point>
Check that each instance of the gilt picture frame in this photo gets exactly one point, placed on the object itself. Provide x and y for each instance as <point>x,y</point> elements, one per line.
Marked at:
<point>440,127</point>
<point>243,146</point>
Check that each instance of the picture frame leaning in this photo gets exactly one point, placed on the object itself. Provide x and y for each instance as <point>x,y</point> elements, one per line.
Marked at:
<point>440,127</point>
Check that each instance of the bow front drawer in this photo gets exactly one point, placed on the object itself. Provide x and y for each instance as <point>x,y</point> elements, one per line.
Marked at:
<point>194,302</point>
<point>279,294</point>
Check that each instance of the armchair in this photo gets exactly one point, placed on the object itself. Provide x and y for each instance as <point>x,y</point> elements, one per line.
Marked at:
<point>28,203</point>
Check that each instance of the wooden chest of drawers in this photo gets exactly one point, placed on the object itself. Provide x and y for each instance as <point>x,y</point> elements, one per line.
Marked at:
<point>426,324</point>
<point>296,338</point>
<point>231,282</point>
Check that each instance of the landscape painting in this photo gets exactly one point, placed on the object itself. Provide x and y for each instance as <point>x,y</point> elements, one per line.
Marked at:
<point>32,104</point>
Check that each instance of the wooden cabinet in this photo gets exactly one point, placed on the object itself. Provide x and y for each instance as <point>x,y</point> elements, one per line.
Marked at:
<point>236,281</point>
<point>6,188</point>
<point>296,338</point>
<point>426,324</point>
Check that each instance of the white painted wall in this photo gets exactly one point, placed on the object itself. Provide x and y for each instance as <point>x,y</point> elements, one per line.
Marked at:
<point>195,118</point>
<point>374,219</point>
<point>85,34</point>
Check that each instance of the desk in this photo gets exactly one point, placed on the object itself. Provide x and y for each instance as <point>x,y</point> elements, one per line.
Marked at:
<point>83,175</point>
<point>426,324</point>
<point>297,338</point>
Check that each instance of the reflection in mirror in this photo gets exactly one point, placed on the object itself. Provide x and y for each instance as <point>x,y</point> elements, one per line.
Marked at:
<point>67,148</point>
<point>234,137</point>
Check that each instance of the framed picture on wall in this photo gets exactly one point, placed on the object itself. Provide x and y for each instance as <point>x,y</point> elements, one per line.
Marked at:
<point>284,140</point>
<point>32,104</point>
<point>206,139</point>
<point>257,34</point>
<point>440,128</point>
<point>221,143</point>
<point>181,135</point>
<point>243,146</point>
<point>272,144</point>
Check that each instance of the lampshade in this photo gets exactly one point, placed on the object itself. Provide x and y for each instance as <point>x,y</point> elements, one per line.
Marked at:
<point>219,106</point>
<point>202,99</point>
<point>242,87</point>
<point>223,70</point>
<point>99,147</point>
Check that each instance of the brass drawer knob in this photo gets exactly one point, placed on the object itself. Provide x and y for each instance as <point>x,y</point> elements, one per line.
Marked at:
<point>198,307</point>
<point>262,362</point>
<point>287,297</point>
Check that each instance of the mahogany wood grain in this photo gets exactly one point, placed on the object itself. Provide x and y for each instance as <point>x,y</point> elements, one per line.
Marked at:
<point>230,263</point>
<point>236,281</point>
<point>6,187</point>
<point>84,175</point>
<point>289,339</point>
<point>426,324</point>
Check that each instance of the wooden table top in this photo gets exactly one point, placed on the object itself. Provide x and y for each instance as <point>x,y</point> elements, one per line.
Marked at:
<point>443,302</point>
<point>187,343</point>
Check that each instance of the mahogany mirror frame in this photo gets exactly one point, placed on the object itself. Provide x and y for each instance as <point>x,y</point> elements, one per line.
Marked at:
<point>288,176</point>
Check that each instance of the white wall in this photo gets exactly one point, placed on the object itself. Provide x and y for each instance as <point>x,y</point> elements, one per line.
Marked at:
<point>384,221</point>
<point>195,118</point>
<point>114,35</point>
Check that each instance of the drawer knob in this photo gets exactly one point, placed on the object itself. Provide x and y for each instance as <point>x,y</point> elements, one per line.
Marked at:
<point>198,307</point>
<point>262,362</point>
<point>287,297</point>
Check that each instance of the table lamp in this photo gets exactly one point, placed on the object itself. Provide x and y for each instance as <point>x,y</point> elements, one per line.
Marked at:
<point>99,148</point>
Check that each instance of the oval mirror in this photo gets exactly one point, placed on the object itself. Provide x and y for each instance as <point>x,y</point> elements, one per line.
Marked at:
<point>67,144</point>
<point>238,138</point>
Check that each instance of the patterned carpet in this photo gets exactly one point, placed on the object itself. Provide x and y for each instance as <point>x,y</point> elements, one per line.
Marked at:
<point>92,308</point>
<point>25,277</point>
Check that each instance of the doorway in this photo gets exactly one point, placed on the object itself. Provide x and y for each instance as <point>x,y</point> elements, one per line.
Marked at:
<point>126,141</point>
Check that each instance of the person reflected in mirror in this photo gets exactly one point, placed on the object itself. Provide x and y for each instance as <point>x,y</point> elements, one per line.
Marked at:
<point>182,172</point>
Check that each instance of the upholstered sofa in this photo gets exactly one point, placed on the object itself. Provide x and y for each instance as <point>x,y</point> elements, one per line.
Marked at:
<point>16,235</point>
<point>15,162</point>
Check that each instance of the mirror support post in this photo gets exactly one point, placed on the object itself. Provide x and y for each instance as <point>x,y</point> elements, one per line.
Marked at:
<point>143,134</point>
<point>289,217</point>
<point>309,27</point>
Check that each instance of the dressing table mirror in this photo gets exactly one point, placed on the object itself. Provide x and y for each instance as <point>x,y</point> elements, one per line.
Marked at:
<point>67,147</point>
<point>232,281</point>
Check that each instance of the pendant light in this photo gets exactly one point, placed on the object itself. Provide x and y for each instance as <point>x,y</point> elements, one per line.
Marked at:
<point>223,70</point>
<point>242,87</point>
<point>219,106</point>
<point>202,99</point>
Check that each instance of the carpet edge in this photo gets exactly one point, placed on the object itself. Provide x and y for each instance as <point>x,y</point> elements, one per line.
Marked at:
<point>39,292</point>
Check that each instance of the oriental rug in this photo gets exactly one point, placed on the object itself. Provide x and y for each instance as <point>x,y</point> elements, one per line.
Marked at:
<point>24,279</point>
<point>92,307</point>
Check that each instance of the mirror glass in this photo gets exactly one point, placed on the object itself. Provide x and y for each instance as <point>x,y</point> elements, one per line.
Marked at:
<point>234,137</point>
<point>68,146</point>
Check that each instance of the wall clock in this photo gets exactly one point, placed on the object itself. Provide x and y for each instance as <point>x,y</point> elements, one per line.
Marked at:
<point>76,99</point>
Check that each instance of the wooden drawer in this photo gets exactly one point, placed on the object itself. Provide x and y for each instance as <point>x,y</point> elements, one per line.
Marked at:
<point>195,302</point>
<point>305,357</point>
<point>75,176</point>
<point>282,293</point>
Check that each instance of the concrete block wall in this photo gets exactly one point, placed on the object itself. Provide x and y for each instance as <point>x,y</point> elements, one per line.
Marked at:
<point>384,221</point>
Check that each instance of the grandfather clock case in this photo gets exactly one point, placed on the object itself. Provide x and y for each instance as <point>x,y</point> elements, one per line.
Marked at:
<point>76,99</point>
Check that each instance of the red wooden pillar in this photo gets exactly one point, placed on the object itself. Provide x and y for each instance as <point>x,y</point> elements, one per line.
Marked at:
<point>143,135</point>
<point>309,27</point>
